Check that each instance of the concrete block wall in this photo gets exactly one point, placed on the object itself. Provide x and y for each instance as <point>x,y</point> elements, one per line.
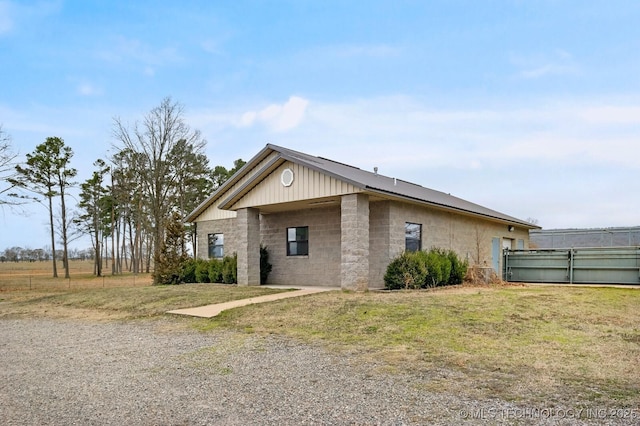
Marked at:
<point>468,236</point>
<point>379,242</point>
<point>322,266</point>
<point>354,242</point>
<point>221,226</point>
<point>248,239</point>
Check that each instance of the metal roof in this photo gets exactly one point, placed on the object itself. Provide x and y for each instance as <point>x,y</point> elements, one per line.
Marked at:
<point>368,181</point>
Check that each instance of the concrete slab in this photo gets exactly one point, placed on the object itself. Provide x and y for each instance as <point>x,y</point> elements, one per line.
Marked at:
<point>210,311</point>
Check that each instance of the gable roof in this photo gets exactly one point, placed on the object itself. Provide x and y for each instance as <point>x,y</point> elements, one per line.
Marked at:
<point>367,181</point>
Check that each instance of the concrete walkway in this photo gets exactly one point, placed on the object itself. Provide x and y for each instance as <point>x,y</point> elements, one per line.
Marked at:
<point>210,311</point>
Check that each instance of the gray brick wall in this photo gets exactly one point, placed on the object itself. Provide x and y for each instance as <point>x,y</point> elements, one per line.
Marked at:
<point>221,226</point>
<point>354,242</point>
<point>380,253</point>
<point>248,240</point>
<point>469,237</point>
<point>322,266</point>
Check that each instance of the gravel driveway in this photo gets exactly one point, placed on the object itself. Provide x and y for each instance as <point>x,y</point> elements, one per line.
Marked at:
<point>63,372</point>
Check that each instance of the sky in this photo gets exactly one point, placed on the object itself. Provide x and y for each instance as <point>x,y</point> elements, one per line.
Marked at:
<point>531,108</point>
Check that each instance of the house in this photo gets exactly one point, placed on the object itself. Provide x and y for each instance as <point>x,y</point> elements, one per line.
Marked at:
<point>326,223</point>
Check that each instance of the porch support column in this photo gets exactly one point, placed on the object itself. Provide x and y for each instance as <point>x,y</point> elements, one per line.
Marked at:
<point>248,234</point>
<point>354,229</point>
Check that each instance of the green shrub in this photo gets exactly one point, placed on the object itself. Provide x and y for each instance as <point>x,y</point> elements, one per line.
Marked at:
<point>438,268</point>
<point>188,271</point>
<point>223,271</point>
<point>405,271</point>
<point>265,266</point>
<point>458,268</point>
<point>215,271</point>
<point>230,269</point>
<point>202,271</point>
<point>425,269</point>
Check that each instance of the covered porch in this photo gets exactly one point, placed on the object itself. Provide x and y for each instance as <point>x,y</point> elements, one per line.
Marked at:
<point>332,247</point>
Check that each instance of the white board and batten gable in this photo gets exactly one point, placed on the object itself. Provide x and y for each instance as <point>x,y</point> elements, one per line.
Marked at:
<point>272,183</point>
<point>291,183</point>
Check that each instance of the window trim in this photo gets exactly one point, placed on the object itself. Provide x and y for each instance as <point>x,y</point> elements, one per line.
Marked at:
<point>289,251</point>
<point>407,239</point>
<point>211,247</point>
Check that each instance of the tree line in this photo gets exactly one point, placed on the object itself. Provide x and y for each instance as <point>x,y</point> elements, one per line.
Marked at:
<point>26,254</point>
<point>157,175</point>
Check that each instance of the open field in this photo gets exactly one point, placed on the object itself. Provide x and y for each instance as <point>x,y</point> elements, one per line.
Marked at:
<point>571,347</point>
<point>38,276</point>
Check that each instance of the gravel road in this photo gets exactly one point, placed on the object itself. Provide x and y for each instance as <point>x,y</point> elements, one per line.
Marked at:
<point>68,372</point>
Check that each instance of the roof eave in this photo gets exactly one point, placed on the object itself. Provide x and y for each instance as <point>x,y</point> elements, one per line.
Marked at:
<point>228,183</point>
<point>513,221</point>
<point>228,202</point>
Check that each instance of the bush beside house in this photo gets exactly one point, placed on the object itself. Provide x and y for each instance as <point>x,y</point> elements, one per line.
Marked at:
<point>220,271</point>
<point>425,269</point>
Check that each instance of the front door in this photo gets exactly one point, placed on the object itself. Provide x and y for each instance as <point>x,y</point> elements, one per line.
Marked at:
<point>495,255</point>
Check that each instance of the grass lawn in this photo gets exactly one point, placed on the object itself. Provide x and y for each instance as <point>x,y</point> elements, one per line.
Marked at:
<point>15,276</point>
<point>571,346</point>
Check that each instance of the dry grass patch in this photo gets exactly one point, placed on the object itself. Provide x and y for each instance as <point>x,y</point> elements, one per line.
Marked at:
<point>121,303</point>
<point>38,276</point>
<point>564,345</point>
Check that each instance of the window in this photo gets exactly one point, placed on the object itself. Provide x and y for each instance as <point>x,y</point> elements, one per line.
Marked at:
<point>298,241</point>
<point>216,245</point>
<point>412,236</point>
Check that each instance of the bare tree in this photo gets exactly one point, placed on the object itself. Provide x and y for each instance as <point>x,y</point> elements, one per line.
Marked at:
<point>7,170</point>
<point>155,141</point>
<point>480,234</point>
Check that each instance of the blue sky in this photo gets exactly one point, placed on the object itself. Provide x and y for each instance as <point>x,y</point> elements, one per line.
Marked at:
<point>531,108</point>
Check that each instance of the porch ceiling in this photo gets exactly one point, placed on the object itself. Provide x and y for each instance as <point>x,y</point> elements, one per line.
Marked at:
<point>314,203</point>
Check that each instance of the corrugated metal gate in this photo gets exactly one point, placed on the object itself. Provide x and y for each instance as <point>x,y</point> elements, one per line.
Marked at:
<point>613,265</point>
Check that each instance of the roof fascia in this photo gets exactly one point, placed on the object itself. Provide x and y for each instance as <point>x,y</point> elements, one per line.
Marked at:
<point>450,208</point>
<point>284,152</point>
<point>264,152</point>
<point>248,185</point>
<point>324,171</point>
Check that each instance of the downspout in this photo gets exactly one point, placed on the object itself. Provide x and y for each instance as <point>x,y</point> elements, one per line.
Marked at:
<point>195,239</point>
<point>506,266</point>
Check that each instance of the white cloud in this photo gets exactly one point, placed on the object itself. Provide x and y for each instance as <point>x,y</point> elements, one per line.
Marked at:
<point>6,18</point>
<point>213,46</point>
<point>611,114</point>
<point>88,89</point>
<point>126,50</point>
<point>558,62</point>
<point>15,15</point>
<point>477,138</point>
<point>278,118</point>
<point>370,50</point>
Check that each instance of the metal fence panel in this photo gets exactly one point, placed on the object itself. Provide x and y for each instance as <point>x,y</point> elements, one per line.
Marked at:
<point>615,265</point>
